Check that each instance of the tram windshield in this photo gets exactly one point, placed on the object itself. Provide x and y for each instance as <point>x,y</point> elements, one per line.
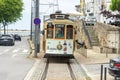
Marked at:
<point>60,32</point>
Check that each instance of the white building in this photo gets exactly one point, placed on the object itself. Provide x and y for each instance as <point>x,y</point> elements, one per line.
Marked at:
<point>95,7</point>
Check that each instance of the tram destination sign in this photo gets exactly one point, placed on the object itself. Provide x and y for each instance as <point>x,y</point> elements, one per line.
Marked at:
<point>60,25</point>
<point>37,21</point>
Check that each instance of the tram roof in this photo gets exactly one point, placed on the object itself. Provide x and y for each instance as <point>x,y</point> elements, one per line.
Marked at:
<point>60,20</point>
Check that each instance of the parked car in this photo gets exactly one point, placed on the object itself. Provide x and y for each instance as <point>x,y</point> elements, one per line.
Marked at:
<point>117,22</point>
<point>17,37</point>
<point>110,20</point>
<point>113,21</point>
<point>90,20</point>
<point>114,67</point>
<point>7,39</point>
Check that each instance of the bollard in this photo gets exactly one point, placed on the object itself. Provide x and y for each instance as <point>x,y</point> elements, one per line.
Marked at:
<point>115,77</point>
<point>105,74</point>
<point>101,77</point>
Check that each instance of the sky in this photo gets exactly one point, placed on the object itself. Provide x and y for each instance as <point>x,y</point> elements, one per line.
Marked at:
<point>66,6</point>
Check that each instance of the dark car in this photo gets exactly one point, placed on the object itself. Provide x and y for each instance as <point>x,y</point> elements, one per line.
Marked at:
<point>114,67</point>
<point>117,23</point>
<point>7,40</point>
<point>17,37</point>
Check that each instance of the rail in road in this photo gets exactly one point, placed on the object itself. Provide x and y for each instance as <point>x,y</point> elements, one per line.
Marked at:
<point>71,73</point>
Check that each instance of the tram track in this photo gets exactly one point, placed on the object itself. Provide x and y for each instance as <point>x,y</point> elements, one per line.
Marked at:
<point>61,67</point>
<point>45,71</point>
<point>71,71</point>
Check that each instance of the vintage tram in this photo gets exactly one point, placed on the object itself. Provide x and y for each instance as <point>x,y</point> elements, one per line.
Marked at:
<point>58,38</point>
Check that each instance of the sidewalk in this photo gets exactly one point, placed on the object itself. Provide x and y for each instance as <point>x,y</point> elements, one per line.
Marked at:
<point>94,58</point>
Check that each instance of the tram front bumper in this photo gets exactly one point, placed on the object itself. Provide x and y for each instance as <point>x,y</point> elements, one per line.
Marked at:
<point>58,55</point>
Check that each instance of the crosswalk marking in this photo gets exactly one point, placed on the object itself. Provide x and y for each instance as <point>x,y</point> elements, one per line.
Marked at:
<point>6,50</point>
<point>1,53</point>
<point>14,55</point>
<point>16,50</point>
<point>25,51</point>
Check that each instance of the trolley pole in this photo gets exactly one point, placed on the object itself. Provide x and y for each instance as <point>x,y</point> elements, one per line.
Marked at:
<point>37,28</point>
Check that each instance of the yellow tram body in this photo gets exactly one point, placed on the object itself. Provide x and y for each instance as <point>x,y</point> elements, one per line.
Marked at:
<point>58,39</point>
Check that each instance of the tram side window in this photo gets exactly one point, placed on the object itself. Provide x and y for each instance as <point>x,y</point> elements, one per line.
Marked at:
<point>59,31</point>
<point>69,32</point>
<point>49,31</point>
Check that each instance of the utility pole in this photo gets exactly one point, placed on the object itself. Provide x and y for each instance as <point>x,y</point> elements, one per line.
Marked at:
<point>93,8</point>
<point>31,22</point>
<point>82,7</point>
<point>37,28</point>
<point>119,43</point>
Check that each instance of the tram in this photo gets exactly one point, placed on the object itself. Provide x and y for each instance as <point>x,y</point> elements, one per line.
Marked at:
<point>58,38</point>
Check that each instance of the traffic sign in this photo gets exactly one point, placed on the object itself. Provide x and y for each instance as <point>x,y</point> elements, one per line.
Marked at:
<point>37,21</point>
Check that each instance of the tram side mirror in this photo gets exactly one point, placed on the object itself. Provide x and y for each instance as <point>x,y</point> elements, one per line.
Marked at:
<point>42,32</point>
<point>75,32</point>
<point>76,41</point>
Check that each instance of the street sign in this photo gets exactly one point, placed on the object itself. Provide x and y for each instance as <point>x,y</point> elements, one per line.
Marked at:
<point>37,21</point>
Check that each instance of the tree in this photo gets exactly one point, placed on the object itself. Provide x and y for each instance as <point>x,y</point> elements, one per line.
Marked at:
<point>10,12</point>
<point>115,5</point>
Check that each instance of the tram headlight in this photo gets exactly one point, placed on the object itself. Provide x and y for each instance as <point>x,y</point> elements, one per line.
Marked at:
<point>65,49</point>
<point>59,46</point>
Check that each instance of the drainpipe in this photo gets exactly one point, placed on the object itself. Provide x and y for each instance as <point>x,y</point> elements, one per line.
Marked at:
<point>119,43</point>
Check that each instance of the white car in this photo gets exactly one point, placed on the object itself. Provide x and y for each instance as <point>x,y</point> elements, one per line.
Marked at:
<point>110,20</point>
<point>90,20</point>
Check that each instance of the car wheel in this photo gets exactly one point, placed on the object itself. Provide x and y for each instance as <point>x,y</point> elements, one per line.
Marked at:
<point>115,78</point>
<point>13,44</point>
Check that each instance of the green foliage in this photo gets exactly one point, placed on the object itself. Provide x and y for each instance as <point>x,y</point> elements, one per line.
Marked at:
<point>88,78</point>
<point>115,5</point>
<point>10,11</point>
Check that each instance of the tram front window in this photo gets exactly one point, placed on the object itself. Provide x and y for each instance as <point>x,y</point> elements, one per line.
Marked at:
<point>69,32</point>
<point>59,31</point>
<point>50,28</point>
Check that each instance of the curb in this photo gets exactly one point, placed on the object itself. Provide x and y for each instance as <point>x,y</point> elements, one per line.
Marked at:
<point>31,71</point>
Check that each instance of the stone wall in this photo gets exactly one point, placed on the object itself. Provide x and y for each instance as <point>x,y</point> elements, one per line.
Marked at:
<point>103,31</point>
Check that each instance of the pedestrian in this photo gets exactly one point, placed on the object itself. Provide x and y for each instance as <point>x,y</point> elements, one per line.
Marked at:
<point>59,34</point>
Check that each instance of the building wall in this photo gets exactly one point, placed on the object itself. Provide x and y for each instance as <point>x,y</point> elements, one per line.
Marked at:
<point>113,39</point>
<point>95,7</point>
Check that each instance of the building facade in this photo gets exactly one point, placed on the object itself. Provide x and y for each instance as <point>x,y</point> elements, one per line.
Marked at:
<point>95,7</point>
